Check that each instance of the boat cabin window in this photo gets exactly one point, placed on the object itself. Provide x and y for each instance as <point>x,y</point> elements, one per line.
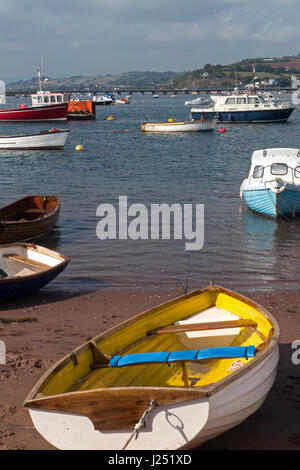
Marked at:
<point>253,100</point>
<point>241,100</point>
<point>39,98</point>
<point>52,99</point>
<point>258,171</point>
<point>230,101</point>
<point>279,169</point>
<point>297,172</point>
<point>59,98</point>
<point>46,99</point>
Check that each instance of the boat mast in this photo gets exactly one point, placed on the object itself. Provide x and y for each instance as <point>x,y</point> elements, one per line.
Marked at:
<point>253,71</point>
<point>39,78</point>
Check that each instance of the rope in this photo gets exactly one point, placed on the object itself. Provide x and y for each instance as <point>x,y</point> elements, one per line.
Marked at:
<point>290,210</point>
<point>188,274</point>
<point>276,208</point>
<point>140,423</point>
<point>283,201</point>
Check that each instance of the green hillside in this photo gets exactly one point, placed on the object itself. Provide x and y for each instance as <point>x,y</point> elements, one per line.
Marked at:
<point>266,71</point>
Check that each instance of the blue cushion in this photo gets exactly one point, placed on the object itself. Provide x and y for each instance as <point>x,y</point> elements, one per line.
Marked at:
<point>250,351</point>
<point>230,351</point>
<point>139,358</point>
<point>185,355</point>
<point>114,361</point>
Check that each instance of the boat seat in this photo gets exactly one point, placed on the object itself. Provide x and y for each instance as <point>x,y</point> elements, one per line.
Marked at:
<point>35,211</point>
<point>21,259</point>
<point>182,356</point>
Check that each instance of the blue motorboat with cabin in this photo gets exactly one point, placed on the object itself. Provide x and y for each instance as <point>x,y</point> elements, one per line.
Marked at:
<point>245,107</point>
<point>272,187</point>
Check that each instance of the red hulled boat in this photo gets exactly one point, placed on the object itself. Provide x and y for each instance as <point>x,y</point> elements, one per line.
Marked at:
<point>57,112</point>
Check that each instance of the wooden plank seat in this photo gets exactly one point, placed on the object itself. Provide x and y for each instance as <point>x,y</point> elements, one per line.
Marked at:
<point>204,326</point>
<point>21,259</point>
<point>35,211</point>
<point>166,357</point>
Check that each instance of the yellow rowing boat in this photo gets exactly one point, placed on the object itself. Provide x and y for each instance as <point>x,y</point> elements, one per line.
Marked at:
<point>169,378</point>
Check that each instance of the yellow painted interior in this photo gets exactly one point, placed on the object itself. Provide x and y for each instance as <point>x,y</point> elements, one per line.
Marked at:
<point>132,339</point>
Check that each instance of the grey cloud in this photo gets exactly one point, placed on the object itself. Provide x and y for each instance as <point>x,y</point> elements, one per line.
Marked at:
<point>91,37</point>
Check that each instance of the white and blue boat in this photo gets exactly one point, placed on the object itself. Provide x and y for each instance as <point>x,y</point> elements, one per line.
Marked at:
<point>244,108</point>
<point>26,268</point>
<point>272,186</point>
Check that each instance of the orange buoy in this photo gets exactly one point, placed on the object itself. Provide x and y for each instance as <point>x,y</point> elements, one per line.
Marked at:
<point>222,129</point>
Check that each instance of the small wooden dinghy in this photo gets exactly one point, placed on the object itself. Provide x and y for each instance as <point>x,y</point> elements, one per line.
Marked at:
<point>29,217</point>
<point>180,126</point>
<point>169,378</point>
<point>25,268</point>
<point>51,139</point>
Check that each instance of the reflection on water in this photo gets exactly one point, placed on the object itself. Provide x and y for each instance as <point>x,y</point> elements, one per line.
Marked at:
<point>272,247</point>
<point>241,249</point>
<point>50,240</point>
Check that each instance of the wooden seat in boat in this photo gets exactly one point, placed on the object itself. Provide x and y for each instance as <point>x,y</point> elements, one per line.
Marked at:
<point>21,259</point>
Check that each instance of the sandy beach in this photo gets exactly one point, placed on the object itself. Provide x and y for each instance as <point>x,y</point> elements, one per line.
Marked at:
<point>41,329</point>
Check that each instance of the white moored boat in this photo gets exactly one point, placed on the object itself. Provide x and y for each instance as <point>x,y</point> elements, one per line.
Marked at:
<point>272,186</point>
<point>169,378</point>
<point>244,107</point>
<point>26,268</point>
<point>199,101</point>
<point>180,126</point>
<point>48,139</point>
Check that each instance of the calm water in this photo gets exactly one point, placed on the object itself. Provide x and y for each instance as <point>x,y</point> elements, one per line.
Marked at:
<point>241,249</point>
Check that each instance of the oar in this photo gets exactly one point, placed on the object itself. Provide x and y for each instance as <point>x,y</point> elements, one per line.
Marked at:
<point>204,326</point>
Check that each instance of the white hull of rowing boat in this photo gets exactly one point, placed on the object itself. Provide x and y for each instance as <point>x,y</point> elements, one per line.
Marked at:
<point>178,426</point>
<point>35,141</point>
<point>187,126</point>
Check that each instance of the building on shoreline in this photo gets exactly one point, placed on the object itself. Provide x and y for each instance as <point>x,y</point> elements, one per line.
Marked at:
<point>295,82</point>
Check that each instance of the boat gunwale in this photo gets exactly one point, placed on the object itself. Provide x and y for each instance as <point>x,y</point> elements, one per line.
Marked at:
<point>207,390</point>
<point>196,121</point>
<point>35,108</point>
<point>40,134</point>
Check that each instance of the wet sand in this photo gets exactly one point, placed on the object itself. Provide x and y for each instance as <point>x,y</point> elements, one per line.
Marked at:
<point>41,329</point>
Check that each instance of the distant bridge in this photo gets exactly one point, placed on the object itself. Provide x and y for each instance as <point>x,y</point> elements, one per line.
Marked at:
<point>144,91</point>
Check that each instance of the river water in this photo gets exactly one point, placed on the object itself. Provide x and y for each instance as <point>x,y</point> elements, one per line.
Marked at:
<point>241,249</point>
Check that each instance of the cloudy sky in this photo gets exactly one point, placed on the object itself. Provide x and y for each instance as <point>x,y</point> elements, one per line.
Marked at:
<point>99,37</point>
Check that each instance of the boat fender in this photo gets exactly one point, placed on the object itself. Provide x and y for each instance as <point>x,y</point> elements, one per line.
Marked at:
<point>280,190</point>
<point>277,189</point>
<point>22,106</point>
